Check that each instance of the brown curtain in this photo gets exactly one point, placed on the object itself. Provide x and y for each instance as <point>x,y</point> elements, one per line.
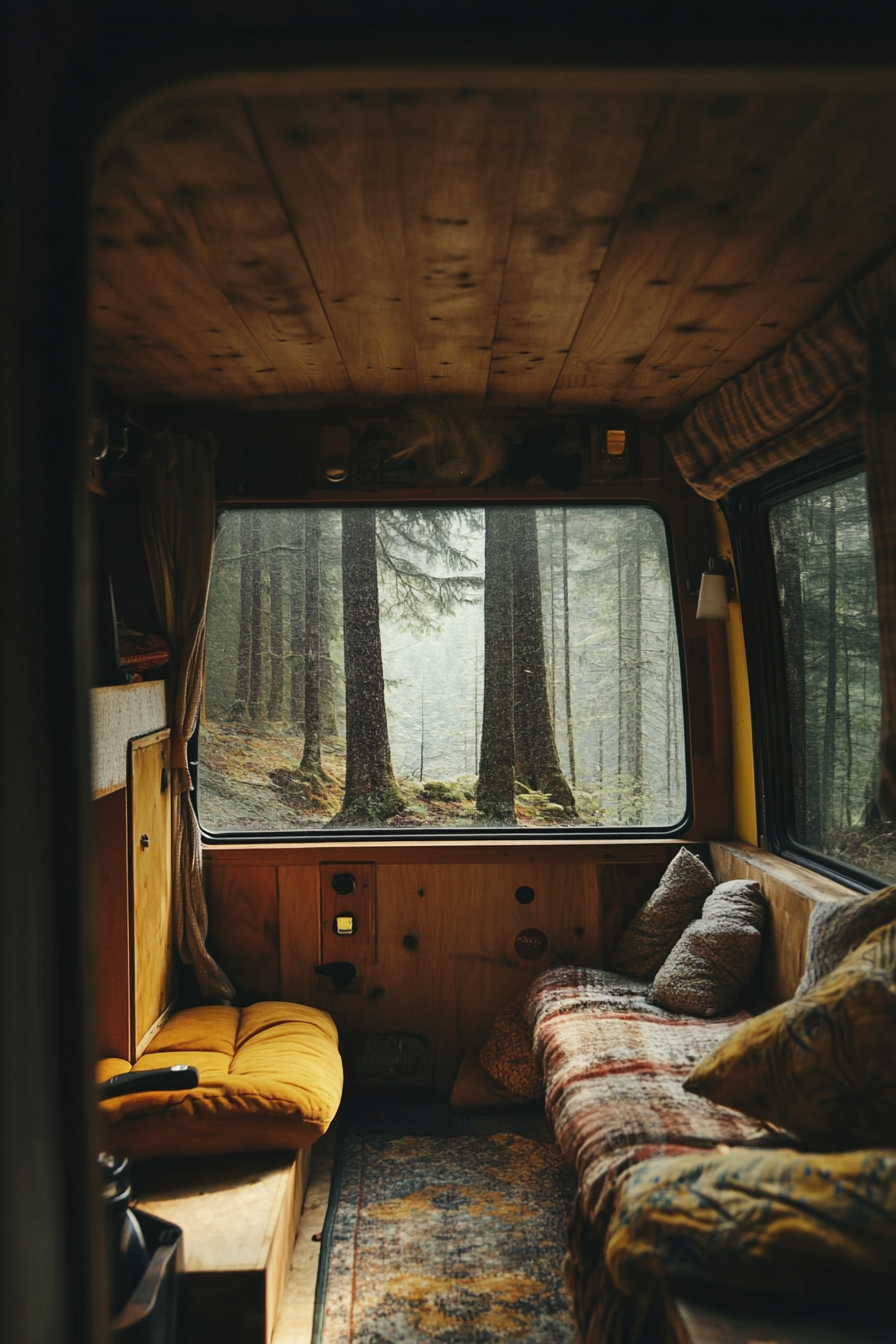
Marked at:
<point>834,379</point>
<point>177,513</point>
<point>807,395</point>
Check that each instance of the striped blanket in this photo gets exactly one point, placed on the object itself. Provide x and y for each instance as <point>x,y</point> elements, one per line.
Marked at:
<point>614,1065</point>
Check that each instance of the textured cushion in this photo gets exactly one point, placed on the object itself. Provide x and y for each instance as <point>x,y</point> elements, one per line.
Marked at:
<point>758,1219</point>
<point>475,1089</point>
<point>661,921</point>
<point>508,1054</point>
<point>270,1076</point>
<point>837,927</point>
<point>716,956</point>
<point>823,1065</point>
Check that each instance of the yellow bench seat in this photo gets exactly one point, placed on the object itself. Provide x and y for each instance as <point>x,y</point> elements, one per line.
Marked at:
<point>270,1076</point>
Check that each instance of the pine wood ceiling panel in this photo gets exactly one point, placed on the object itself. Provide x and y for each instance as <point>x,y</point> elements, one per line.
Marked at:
<point>459,158</point>
<point>132,360</point>
<point>830,212</point>
<point>707,161</point>
<point>335,162</point>
<point>578,162</point>
<point>196,237</point>
<point>520,248</point>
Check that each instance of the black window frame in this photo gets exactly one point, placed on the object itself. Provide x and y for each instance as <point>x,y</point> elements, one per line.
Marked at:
<point>746,511</point>
<point>521,834</point>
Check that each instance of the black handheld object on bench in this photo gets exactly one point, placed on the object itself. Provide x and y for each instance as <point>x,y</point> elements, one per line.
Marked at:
<point>175,1078</point>
<point>143,1250</point>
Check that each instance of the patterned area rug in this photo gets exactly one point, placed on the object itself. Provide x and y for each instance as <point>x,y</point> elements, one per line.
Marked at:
<point>446,1240</point>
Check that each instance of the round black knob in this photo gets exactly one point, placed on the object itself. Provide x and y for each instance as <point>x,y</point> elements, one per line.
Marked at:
<point>525,895</point>
<point>343,883</point>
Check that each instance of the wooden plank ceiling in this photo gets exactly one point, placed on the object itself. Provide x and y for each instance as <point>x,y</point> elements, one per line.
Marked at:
<point>544,249</point>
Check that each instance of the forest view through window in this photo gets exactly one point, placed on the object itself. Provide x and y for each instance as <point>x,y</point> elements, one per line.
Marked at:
<point>441,667</point>
<point>824,563</point>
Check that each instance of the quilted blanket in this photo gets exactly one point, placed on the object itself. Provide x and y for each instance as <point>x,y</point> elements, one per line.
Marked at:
<point>613,1066</point>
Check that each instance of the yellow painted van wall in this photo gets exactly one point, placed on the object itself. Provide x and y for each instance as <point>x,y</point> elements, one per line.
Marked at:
<point>745,823</point>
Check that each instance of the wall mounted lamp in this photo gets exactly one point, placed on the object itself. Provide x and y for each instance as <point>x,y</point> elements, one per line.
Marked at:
<point>713,587</point>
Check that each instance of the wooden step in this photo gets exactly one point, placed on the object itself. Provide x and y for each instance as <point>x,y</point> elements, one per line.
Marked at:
<point>239,1216</point>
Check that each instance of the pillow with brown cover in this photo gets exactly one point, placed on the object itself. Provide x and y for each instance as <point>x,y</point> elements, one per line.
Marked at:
<point>823,1065</point>
<point>508,1053</point>
<point>837,927</point>
<point>663,918</point>
<point>716,956</point>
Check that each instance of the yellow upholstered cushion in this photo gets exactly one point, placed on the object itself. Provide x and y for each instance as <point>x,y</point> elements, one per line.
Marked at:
<point>270,1076</point>
<point>752,1218</point>
<point>209,1028</point>
<point>822,1065</point>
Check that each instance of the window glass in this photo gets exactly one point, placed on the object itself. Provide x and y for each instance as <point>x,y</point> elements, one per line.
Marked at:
<point>432,667</point>
<point>824,565</point>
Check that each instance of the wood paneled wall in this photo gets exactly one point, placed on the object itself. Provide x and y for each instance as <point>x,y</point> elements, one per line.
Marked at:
<point>447,918</point>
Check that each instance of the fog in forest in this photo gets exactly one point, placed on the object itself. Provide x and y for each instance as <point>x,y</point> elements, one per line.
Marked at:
<point>498,666</point>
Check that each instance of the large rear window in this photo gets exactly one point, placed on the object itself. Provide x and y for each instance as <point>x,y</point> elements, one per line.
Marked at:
<point>441,668</point>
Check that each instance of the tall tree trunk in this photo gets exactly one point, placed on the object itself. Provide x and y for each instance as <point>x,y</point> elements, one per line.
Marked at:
<point>371,794</point>
<point>671,729</point>
<point>554,628</point>
<point>630,706</point>
<point>536,759</point>
<point>244,639</point>
<point>830,695</point>
<point>256,665</point>
<point>570,736</point>
<point>330,622</point>
<point>297,626</point>
<point>494,790</point>
<point>311,748</point>
<point>790,586</point>
<point>275,632</point>
<point>329,725</point>
<point>620,657</point>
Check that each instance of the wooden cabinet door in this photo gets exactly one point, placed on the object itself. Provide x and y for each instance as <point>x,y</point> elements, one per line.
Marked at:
<point>152,921</point>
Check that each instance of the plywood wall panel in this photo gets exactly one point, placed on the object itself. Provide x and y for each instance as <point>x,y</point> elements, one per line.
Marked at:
<point>244,928</point>
<point>445,961</point>
<point>792,894</point>
<point>152,910</point>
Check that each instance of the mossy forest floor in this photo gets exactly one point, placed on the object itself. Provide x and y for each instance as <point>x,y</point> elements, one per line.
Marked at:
<point>250,780</point>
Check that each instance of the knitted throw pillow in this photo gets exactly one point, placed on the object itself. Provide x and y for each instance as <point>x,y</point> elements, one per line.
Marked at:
<point>823,1065</point>
<point>837,927</point>
<point>508,1054</point>
<point>716,956</point>
<point>663,918</point>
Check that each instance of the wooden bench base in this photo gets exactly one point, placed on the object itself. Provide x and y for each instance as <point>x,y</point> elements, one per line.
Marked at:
<point>239,1216</point>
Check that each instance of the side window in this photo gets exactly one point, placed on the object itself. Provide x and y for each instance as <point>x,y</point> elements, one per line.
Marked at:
<point>442,669</point>
<point>824,566</point>
<point>803,545</point>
